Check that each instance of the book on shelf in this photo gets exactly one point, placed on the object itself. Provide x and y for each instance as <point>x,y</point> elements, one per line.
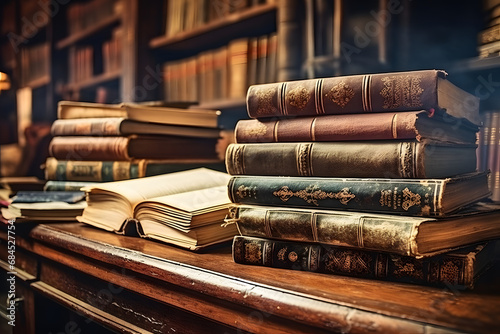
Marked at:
<point>404,235</point>
<point>382,92</point>
<point>45,206</point>
<point>120,126</point>
<point>416,197</point>
<point>132,147</point>
<point>350,127</point>
<point>185,208</point>
<point>375,159</point>
<point>460,268</point>
<point>139,112</point>
<point>104,170</point>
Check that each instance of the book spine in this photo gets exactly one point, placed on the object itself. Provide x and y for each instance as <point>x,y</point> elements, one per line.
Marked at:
<point>373,232</point>
<point>86,127</point>
<point>384,92</point>
<point>93,171</point>
<point>411,198</point>
<point>89,148</point>
<point>493,156</point>
<point>380,126</point>
<point>290,36</point>
<point>350,159</point>
<point>443,270</point>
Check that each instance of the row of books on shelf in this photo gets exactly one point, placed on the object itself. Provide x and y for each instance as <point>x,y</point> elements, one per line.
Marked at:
<point>83,15</point>
<point>186,15</point>
<point>35,62</point>
<point>223,73</point>
<point>82,64</point>
<point>371,176</point>
<point>489,36</point>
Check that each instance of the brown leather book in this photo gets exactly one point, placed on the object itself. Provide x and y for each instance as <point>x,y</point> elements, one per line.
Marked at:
<point>383,159</point>
<point>131,147</point>
<point>382,92</point>
<point>120,126</point>
<point>377,126</point>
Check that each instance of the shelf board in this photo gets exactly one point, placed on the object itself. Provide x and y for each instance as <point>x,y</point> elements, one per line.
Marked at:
<point>98,79</point>
<point>72,39</point>
<point>235,22</point>
<point>477,64</point>
<point>37,83</point>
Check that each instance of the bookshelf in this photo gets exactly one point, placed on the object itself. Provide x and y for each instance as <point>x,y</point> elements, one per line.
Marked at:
<point>102,50</point>
<point>200,55</point>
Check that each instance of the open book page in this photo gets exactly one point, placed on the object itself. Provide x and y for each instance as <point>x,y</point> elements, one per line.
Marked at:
<point>192,201</point>
<point>111,204</point>
<point>186,211</point>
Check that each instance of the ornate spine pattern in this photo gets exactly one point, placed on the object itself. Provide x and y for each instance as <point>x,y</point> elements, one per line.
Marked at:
<point>381,233</point>
<point>449,269</point>
<point>401,91</point>
<point>68,170</point>
<point>408,197</point>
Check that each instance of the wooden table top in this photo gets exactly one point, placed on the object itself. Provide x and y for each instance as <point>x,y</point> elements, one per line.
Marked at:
<point>328,302</point>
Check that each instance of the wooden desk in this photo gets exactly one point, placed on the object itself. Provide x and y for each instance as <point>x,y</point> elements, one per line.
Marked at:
<point>133,285</point>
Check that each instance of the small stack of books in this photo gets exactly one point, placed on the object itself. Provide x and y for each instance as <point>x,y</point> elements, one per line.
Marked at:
<point>95,142</point>
<point>367,175</point>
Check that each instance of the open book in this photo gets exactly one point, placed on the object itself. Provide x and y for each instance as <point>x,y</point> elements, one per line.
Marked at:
<point>184,208</point>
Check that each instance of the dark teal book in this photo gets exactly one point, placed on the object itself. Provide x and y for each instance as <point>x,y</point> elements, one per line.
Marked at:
<point>416,197</point>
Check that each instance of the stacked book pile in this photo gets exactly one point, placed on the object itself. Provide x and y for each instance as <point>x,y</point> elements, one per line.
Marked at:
<point>368,175</point>
<point>103,142</point>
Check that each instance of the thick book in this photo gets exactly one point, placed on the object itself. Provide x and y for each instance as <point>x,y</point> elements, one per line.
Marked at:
<point>98,171</point>
<point>120,126</point>
<point>459,269</point>
<point>410,236</point>
<point>185,208</point>
<point>139,112</point>
<point>414,197</point>
<point>350,127</point>
<point>381,92</point>
<point>381,159</point>
<point>132,147</point>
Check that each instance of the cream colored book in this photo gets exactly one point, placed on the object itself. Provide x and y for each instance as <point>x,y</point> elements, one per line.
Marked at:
<point>184,208</point>
<point>139,112</point>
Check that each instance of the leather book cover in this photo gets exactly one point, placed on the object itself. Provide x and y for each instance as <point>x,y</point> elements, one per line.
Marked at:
<point>376,126</point>
<point>459,269</point>
<point>382,92</point>
<point>381,159</point>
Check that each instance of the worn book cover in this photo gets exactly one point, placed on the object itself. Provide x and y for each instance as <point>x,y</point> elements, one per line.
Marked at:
<point>404,235</point>
<point>367,93</point>
<point>377,159</point>
<point>415,197</point>
<point>459,268</point>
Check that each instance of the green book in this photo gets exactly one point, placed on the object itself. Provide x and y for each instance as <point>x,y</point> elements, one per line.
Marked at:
<point>416,197</point>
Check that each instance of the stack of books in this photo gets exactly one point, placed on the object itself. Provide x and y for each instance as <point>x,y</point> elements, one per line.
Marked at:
<point>95,142</point>
<point>367,175</point>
